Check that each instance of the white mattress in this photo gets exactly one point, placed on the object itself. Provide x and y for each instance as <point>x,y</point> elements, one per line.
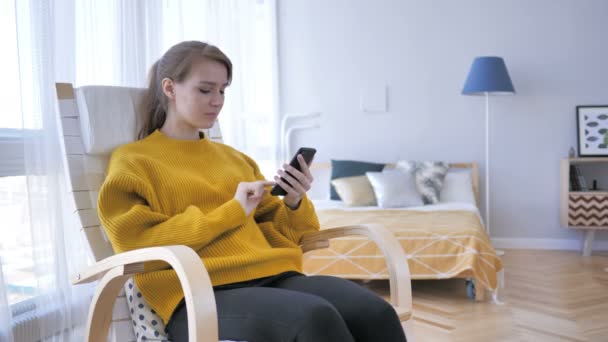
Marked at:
<point>334,204</point>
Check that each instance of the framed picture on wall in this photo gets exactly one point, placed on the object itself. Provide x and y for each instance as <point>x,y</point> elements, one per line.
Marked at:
<point>592,131</point>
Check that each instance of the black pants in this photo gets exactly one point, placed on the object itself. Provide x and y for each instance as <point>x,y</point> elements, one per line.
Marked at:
<point>294,307</point>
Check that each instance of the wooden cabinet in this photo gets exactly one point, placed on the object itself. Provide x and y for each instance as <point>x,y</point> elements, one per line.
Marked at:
<point>585,210</point>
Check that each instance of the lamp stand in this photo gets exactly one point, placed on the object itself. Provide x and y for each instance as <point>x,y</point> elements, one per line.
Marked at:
<point>487,95</point>
<point>487,162</point>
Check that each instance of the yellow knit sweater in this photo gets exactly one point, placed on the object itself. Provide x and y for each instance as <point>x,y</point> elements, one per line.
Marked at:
<point>160,191</point>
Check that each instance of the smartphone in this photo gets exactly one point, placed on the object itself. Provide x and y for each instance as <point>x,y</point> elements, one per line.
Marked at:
<point>308,153</point>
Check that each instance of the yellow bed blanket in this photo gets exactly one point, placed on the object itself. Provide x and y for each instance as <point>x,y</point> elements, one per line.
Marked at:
<point>438,245</point>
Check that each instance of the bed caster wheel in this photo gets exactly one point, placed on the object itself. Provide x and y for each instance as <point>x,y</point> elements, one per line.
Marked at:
<point>470,285</point>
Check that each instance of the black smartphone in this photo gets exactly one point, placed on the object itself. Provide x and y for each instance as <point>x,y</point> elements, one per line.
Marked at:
<point>308,153</point>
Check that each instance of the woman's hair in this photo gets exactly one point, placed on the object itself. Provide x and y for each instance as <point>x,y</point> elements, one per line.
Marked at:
<point>174,64</point>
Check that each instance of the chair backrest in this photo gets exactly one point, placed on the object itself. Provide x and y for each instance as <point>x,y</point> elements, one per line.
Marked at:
<point>94,120</point>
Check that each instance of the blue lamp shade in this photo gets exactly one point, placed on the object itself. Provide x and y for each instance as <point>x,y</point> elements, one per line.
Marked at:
<point>488,75</point>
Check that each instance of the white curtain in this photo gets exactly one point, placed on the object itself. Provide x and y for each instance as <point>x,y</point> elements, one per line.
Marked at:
<point>57,248</point>
<point>114,42</point>
<point>117,41</point>
<point>247,33</point>
<point>6,319</point>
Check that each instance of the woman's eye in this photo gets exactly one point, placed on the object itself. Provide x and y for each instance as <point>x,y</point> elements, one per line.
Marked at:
<point>223,91</point>
<point>205,91</point>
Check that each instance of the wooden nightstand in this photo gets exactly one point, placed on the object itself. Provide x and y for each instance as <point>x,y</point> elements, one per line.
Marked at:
<point>586,210</point>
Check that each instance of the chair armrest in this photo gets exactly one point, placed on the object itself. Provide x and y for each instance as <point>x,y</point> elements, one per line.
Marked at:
<point>398,269</point>
<point>114,271</point>
<point>133,261</point>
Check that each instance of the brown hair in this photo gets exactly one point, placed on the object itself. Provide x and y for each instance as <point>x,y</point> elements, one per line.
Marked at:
<point>174,64</point>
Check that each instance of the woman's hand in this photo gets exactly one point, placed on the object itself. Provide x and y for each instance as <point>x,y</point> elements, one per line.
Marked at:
<point>249,194</point>
<point>299,182</point>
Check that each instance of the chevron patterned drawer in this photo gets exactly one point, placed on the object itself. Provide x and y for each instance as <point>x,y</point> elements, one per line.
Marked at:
<point>588,210</point>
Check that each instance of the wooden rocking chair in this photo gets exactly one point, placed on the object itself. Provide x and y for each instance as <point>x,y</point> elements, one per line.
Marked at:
<point>95,120</point>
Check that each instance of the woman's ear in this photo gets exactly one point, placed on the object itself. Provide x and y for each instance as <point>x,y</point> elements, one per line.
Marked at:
<point>168,87</point>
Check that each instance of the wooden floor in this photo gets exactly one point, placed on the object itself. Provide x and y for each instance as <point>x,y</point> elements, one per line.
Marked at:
<point>548,296</point>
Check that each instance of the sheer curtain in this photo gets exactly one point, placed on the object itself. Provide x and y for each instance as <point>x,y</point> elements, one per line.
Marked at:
<point>6,319</point>
<point>57,310</point>
<point>114,42</point>
<point>117,41</point>
<point>247,32</point>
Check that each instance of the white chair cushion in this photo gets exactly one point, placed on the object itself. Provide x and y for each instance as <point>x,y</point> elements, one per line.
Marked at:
<point>107,117</point>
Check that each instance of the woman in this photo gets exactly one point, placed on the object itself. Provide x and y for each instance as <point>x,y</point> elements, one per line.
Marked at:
<point>174,186</point>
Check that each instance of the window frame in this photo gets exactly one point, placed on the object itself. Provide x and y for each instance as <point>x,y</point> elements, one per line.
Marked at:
<point>11,152</point>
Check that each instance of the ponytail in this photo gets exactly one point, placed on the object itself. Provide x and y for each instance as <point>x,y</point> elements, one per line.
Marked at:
<point>152,105</point>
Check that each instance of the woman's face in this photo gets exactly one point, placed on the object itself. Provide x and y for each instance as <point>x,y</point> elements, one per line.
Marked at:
<point>200,96</point>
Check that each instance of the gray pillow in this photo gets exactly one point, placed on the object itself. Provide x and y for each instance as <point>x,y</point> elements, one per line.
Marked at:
<point>350,168</point>
<point>394,189</point>
<point>429,176</point>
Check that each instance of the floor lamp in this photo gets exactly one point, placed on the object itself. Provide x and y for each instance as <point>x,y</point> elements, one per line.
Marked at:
<point>488,76</point>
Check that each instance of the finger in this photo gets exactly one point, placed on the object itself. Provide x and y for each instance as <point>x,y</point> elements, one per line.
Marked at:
<point>295,183</point>
<point>260,187</point>
<point>304,167</point>
<point>295,172</point>
<point>267,183</point>
<point>252,192</point>
<point>259,192</point>
<point>302,162</point>
<point>288,189</point>
<point>302,179</point>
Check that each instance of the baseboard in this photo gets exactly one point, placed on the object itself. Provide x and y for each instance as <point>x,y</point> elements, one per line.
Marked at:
<point>559,244</point>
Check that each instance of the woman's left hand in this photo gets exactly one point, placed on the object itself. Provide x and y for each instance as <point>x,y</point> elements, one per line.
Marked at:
<point>299,182</point>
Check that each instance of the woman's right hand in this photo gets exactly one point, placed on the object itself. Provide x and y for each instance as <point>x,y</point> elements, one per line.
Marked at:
<point>249,194</point>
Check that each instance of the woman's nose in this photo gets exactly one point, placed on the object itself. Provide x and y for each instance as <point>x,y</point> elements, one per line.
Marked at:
<point>217,99</point>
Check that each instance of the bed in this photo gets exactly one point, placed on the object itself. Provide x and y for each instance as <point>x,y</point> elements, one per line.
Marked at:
<point>441,241</point>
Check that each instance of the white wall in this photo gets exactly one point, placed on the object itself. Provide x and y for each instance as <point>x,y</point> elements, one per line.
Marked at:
<point>556,52</point>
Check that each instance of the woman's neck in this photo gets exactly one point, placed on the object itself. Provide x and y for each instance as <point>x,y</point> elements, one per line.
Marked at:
<point>180,132</point>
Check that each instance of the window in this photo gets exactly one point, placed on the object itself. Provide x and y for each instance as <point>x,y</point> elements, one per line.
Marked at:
<point>15,245</point>
<point>11,101</point>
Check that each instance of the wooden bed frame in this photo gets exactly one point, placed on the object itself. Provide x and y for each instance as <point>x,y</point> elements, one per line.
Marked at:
<point>480,290</point>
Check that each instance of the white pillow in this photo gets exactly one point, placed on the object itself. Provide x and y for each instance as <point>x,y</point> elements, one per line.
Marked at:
<point>107,117</point>
<point>394,189</point>
<point>457,187</point>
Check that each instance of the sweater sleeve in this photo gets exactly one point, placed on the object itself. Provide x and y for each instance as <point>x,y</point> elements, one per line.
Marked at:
<point>131,223</point>
<point>290,223</point>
